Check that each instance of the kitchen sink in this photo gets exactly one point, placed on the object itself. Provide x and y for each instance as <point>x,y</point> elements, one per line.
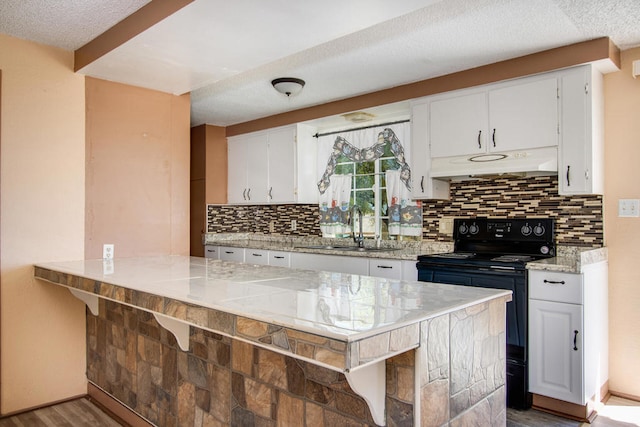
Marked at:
<point>348,248</point>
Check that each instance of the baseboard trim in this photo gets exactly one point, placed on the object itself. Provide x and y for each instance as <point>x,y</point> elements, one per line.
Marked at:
<point>116,409</point>
<point>582,413</point>
<point>625,395</point>
<point>46,405</point>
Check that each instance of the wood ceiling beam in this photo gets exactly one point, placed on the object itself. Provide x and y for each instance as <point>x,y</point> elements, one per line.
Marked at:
<point>139,21</point>
<point>597,50</point>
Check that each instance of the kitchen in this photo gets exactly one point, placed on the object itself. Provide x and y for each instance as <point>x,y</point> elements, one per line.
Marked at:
<point>63,221</point>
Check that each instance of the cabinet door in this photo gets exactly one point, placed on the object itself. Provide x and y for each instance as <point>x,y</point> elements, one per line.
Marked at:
<point>580,166</point>
<point>556,350</point>
<point>282,166</point>
<point>237,171</point>
<point>257,167</point>
<point>524,116</point>
<point>422,185</point>
<point>458,125</point>
<point>280,259</point>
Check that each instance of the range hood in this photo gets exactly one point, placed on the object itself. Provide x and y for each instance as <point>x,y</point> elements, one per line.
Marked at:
<point>538,161</point>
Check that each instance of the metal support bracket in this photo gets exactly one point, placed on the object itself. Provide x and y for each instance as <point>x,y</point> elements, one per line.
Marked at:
<point>179,329</point>
<point>90,299</point>
<point>369,382</point>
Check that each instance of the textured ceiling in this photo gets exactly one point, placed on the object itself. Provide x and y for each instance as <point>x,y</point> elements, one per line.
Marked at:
<point>226,52</point>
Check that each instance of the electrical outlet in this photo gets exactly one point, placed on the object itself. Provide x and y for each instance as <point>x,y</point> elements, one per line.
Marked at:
<point>272,226</point>
<point>107,251</point>
<point>629,208</point>
<point>445,226</point>
<point>294,225</point>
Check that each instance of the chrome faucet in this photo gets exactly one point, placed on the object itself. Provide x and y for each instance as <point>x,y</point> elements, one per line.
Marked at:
<point>360,238</point>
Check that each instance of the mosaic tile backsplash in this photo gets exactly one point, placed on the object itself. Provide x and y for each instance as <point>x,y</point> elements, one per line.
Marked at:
<point>579,219</point>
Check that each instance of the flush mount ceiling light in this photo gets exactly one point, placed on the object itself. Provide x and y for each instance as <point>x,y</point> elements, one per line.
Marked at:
<point>358,117</point>
<point>288,85</point>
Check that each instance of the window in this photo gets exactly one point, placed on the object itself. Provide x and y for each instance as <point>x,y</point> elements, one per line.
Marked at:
<point>369,190</point>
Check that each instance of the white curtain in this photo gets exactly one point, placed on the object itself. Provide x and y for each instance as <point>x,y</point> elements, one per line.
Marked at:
<point>405,215</point>
<point>334,207</point>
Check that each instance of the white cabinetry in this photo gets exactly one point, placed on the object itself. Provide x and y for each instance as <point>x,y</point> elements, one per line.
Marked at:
<point>580,160</point>
<point>228,253</point>
<point>517,115</point>
<point>334,263</point>
<point>423,186</point>
<point>211,251</point>
<point>273,166</point>
<point>256,256</point>
<point>568,334</point>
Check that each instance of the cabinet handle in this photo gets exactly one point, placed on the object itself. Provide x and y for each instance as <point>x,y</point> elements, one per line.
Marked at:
<point>256,254</point>
<point>244,194</point>
<point>229,252</point>
<point>493,137</point>
<point>422,184</point>
<point>385,266</point>
<point>575,340</point>
<point>270,196</point>
<point>278,257</point>
<point>210,250</point>
<point>249,194</point>
<point>479,143</point>
<point>554,282</point>
<point>568,181</point>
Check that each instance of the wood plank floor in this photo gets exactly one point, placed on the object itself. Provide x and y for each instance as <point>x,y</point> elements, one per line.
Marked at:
<point>75,413</point>
<point>617,412</point>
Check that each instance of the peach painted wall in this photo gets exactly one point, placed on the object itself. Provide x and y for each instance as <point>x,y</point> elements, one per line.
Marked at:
<point>42,219</point>
<point>622,235</point>
<point>137,191</point>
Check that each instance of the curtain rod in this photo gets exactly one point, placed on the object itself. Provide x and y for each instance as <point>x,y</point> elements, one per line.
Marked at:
<point>317,135</point>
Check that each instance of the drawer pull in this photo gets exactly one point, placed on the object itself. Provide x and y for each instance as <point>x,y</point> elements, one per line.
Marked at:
<point>278,257</point>
<point>256,254</point>
<point>385,266</point>
<point>210,250</point>
<point>575,340</point>
<point>229,252</point>
<point>554,282</point>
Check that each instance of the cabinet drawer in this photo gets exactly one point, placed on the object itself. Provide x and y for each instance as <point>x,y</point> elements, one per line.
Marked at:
<point>228,253</point>
<point>552,286</point>
<point>211,252</point>
<point>280,259</point>
<point>256,256</point>
<point>387,268</point>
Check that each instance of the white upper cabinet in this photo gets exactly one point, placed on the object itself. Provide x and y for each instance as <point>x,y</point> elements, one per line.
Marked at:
<point>423,186</point>
<point>459,125</point>
<point>511,116</point>
<point>581,155</point>
<point>524,116</point>
<point>273,166</point>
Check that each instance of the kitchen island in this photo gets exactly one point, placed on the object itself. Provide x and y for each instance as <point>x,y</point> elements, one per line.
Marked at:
<point>262,345</point>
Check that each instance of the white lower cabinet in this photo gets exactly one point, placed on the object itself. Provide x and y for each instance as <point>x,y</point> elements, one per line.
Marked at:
<point>335,263</point>
<point>280,259</point>
<point>256,256</point>
<point>228,253</point>
<point>568,350</point>
<point>387,268</point>
<point>211,251</point>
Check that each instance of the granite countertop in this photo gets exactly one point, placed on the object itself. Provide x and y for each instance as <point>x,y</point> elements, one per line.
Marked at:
<point>570,259</point>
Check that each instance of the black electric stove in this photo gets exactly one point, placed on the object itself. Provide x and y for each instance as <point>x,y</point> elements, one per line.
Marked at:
<point>493,253</point>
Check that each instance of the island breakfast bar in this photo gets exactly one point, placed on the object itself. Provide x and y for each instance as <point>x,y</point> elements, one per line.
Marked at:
<point>263,345</point>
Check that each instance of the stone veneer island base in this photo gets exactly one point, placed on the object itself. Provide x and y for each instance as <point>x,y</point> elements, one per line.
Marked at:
<point>441,366</point>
